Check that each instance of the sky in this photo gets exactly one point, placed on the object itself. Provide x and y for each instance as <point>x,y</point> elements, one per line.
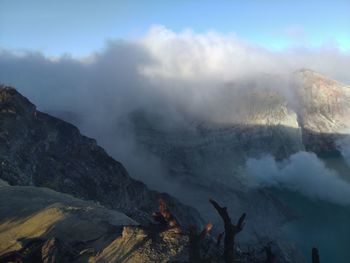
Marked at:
<point>83,26</point>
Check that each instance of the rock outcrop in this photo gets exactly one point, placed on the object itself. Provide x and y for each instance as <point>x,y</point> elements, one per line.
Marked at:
<point>323,109</point>
<point>30,216</point>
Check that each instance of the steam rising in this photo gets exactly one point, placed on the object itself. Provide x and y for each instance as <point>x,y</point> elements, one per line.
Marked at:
<point>303,172</point>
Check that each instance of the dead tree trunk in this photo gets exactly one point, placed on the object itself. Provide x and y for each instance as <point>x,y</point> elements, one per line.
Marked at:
<point>195,240</point>
<point>231,231</point>
<point>315,256</point>
<point>270,257</point>
<point>218,239</point>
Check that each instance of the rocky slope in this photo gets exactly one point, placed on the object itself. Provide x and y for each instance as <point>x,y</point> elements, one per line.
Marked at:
<point>28,212</point>
<point>40,225</point>
<point>37,149</point>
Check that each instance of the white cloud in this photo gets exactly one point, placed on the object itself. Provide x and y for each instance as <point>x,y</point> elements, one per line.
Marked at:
<point>187,55</point>
<point>211,55</point>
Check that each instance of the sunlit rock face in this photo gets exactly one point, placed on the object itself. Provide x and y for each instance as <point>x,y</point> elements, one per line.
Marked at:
<point>324,104</point>
<point>323,110</point>
<point>29,212</point>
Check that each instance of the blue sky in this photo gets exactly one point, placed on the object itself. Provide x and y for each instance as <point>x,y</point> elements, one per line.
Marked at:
<point>80,27</point>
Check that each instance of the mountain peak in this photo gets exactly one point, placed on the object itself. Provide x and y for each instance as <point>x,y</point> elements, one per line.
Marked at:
<point>11,101</point>
<point>304,70</point>
<point>312,77</point>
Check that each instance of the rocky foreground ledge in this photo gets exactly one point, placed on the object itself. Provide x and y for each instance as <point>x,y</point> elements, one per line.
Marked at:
<point>41,225</point>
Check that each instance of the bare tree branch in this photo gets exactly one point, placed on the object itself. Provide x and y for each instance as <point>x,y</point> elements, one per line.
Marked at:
<point>231,230</point>
<point>315,255</point>
<point>218,239</point>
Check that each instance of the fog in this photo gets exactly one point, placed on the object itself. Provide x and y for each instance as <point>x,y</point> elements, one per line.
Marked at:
<point>181,77</point>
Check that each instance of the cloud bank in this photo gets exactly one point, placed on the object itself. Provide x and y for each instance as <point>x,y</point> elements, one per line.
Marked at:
<point>184,74</point>
<point>213,56</point>
<point>180,68</point>
<point>179,76</point>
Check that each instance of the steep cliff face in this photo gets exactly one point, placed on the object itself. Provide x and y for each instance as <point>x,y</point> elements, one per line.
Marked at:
<point>37,149</point>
